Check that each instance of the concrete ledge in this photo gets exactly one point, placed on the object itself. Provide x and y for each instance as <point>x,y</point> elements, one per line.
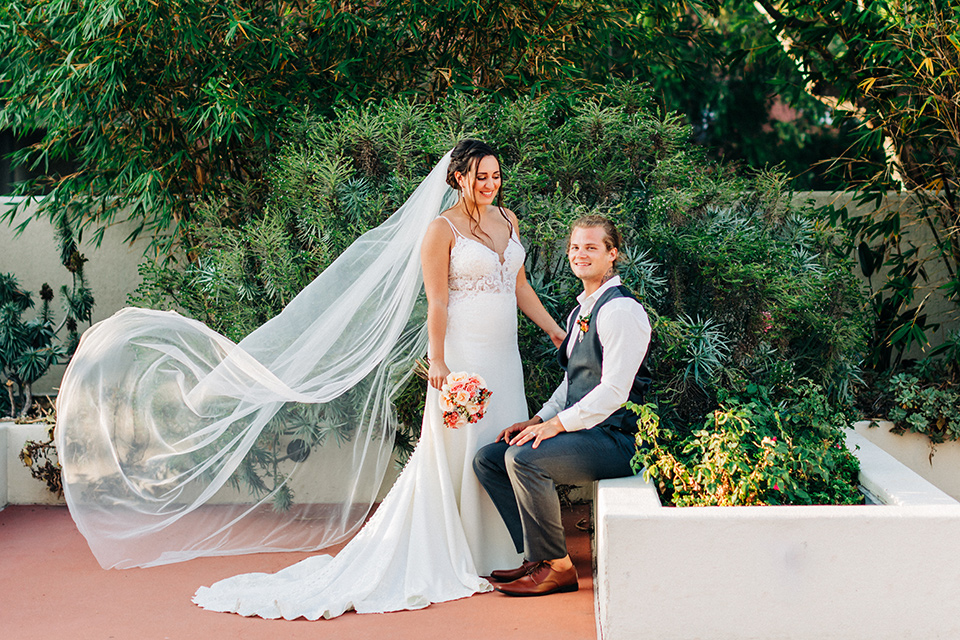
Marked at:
<point>939,464</point>
<point>765,573</point>
<point>17,486</point>
<point>890,480</point>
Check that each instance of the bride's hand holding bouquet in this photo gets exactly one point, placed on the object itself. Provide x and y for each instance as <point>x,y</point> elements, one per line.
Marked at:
<point>436,372</point>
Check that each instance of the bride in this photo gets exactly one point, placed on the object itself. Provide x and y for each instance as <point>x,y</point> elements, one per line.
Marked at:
<point>436,530</point>
<point>157,414</point>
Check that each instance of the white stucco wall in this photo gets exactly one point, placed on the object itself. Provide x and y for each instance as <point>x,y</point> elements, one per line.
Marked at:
<point>34,258</point>
<point>915,234</point>
<point>940,465</point>
<point>793,572</point>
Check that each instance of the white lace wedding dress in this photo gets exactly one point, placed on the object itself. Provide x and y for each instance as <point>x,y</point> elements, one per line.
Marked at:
<point>436,531</point>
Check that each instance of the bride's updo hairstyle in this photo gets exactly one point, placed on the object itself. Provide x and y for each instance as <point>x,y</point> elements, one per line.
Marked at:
<point>463,159</point>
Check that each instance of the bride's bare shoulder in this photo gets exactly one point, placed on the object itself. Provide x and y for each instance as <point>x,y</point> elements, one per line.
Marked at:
<point>512,216</point>
<point>439,232</point>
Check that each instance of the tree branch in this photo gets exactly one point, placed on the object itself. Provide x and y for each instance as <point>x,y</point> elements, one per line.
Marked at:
<point>805,67</point>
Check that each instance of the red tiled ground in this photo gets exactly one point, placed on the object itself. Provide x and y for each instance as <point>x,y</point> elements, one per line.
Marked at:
<point>51,587</point>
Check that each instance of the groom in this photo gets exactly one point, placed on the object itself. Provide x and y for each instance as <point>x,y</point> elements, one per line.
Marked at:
<point>582,433</point>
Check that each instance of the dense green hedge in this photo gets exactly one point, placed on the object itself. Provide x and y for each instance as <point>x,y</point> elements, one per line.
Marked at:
<point>743,288</point>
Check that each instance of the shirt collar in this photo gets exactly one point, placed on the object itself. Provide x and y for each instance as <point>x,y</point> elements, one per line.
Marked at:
<point>587,302</point>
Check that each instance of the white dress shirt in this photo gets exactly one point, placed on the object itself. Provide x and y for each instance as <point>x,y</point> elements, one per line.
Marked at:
<point>624,332</point>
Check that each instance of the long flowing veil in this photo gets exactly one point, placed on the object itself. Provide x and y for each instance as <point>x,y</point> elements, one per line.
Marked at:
<point>177,443</point>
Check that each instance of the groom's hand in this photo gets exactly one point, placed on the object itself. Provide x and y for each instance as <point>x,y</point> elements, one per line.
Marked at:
<point>538,432</point>
<point>507,434</point>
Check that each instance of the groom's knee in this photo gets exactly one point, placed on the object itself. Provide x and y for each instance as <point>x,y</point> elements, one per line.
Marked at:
<point>489,459</point>
<point>522,459</point>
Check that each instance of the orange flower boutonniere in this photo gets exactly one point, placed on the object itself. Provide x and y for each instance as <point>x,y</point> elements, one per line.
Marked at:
<point>584,323</point>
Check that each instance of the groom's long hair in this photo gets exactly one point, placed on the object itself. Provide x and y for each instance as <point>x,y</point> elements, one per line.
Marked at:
<point>611,235</point>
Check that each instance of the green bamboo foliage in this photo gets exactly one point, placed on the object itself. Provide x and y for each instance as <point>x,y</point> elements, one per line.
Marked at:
<point>159,104</point>
<point>890,67</point>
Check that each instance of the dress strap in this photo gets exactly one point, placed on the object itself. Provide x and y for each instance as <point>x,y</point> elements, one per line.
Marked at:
<point>454,227</point>
<point>514,232</point>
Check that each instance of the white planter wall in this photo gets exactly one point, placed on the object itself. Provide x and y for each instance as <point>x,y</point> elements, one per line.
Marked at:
<point>17,486</point>
<point>940,467</point>
<point>766,573</point>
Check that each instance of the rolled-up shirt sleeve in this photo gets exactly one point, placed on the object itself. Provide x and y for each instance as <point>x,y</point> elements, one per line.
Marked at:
<point>624,332</point>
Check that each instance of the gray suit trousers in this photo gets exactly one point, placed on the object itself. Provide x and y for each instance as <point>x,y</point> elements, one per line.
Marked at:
<point>522,481</point>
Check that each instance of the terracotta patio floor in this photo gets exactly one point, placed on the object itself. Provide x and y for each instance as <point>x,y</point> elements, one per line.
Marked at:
<point>52,587</point>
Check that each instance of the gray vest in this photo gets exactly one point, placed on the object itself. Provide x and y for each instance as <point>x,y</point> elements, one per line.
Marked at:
<point>585,363</point>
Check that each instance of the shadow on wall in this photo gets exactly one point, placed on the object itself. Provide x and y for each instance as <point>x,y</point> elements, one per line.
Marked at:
<point>34,258</point>
<point>936,305</point>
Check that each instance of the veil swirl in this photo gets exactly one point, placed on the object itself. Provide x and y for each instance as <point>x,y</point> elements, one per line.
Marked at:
<point>177,443</point>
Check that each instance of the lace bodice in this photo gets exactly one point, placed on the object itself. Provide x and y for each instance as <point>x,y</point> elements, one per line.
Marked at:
<point>476,269</point>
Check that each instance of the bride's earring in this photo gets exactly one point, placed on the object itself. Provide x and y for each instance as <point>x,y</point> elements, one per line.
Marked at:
<point>461,188</point>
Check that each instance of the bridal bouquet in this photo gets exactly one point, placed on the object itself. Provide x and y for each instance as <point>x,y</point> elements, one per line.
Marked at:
<point>463,399</point>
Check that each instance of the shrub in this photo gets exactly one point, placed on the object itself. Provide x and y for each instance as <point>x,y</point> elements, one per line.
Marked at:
<point>930,408</point>
<point>40,457</point>
<point>743,288</point>
<point>28,348</point>
<point>750,451</point>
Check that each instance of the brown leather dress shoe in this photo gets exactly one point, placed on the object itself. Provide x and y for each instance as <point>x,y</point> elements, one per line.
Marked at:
<point>509,575</point>
<point>542,580</point>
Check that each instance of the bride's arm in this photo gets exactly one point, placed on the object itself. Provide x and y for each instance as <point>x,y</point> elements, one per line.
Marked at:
<point>529,302</point>
<point>435,261</point>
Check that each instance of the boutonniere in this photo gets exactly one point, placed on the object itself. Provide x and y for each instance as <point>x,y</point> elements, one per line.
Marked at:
<point>584,323</point>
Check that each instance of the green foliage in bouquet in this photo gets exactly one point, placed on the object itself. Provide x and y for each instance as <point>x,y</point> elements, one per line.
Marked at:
<point>743,287</point>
